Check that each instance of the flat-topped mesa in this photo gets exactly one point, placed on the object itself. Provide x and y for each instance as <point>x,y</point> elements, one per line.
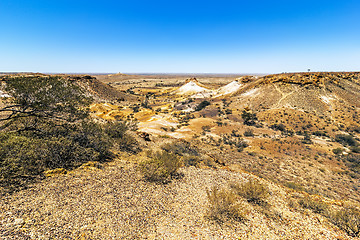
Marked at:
<point>317,79</point>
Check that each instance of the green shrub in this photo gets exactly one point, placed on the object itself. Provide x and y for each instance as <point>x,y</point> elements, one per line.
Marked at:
<point>249,118</point>
<point>253,191</point>
<point>355,149</point>
<point>352,161</point>
<point>160,166</point>
<point>206,128</point>
<point>202,105</point>
<point>191,160</point>
<point>337,150</point>
<point>21,160</point>
<point>345,140</point>
<point>248,133</point>
<point>320,133</point>
<point>348,219</point>
<point>281,127</point>
<point>118,131</point>
<point>181,148</point>
<point>25,155</point>
<point>224,205</point>
<point>307,138</point>
<point>91,135</point>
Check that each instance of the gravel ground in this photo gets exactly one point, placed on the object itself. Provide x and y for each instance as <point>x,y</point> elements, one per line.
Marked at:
<point>116,203</point>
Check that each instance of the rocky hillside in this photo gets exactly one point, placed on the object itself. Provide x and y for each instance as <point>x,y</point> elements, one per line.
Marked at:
<point>93,87</point>
<point>252,157</point>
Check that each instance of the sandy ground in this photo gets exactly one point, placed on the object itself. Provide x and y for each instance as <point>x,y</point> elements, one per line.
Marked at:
<point>116,203</point>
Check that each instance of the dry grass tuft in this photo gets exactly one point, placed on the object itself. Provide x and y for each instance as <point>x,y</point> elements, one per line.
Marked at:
<point>253,191</point>
<point>315,206</point>
<point>224,205</point>
<point>160,166</point>
<point>348,219</point>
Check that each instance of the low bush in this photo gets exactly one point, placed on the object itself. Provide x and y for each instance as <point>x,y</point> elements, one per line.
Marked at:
<point>224,205</point>
<point>315,206</point>
<point>346,140</point>
<point>249,118</point>
<point>253,191</point>
<point>191,160</point>
<point>307,138</point>
<point>180,148</point>
<point>189,154</point>
<point>248,133</point>
<point>202,105</point>
<point>337,150</point>
<point>352,161</point>
<point>25,155</point>
<point>118,131</point>
<point>320,133</point>
<point>21,160</point>
<point>160,166</point>
<point>294,186</point>
<point>348,219</point>
<point>281,127</point>
<point>355,149</point>
<point>206,128</point>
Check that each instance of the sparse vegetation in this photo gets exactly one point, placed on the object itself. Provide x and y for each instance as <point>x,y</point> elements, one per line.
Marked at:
<point>347,219</point>
<point>346,140</point>
<point>33,147</point>
<point>225,205</point>
<point>314,205</point>
<point>294,186</point>
<point>238,142</point>
<point>249,117</point>
<point>189,154</point>
<point>337,150</point>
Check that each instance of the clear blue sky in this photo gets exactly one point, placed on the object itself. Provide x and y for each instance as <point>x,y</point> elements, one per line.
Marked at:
<point>176,36</point>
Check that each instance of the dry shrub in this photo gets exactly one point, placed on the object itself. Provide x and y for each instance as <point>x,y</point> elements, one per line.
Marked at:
<point>160,166</point>
<point>181,147</point>
<point>348,219</point>
<point>189,154</point>
<point>224,205</point>
<point>253,191</point>
<point>119,132</point>
<point>315,206</point>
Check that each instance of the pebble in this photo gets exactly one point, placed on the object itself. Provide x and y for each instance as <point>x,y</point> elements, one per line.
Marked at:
<point>19,221</point>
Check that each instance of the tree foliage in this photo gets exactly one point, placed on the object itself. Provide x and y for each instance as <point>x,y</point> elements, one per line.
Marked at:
<point>45,97</point>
